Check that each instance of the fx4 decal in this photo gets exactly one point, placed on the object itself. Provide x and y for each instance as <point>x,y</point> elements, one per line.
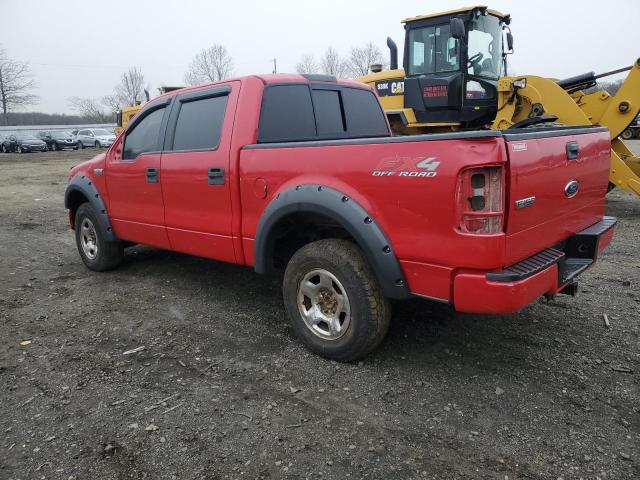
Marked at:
<point>407,167</point>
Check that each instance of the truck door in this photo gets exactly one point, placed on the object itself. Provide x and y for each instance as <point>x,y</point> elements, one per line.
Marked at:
<point>133,179</point>
<point>195,172</point>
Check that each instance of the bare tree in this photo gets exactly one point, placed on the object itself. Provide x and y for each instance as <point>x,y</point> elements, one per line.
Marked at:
<point>307,64</point>
<point>332,64</point>
<point>611,87</point>
<point>130,90</point>
<point>90,109</point>
<point>16,83</point>
<point>112,102</point>
<point>210,65</point>
<point>361,59</point>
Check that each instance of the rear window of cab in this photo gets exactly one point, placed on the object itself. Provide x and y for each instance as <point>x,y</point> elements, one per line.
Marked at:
<point>303,112</point>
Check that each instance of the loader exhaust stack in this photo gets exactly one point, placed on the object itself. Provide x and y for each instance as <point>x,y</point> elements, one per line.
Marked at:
<point>393,54</point>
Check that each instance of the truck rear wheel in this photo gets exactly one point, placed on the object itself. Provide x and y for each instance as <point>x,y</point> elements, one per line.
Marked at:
<point>627,134</point>
<point>333,300</point>
<point>96,252</point>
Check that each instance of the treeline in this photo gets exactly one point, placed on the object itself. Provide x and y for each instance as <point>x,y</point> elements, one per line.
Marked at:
<point>39,118</point>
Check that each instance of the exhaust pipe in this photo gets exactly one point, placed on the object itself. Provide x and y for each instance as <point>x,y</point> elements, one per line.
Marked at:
<point>393,54</point>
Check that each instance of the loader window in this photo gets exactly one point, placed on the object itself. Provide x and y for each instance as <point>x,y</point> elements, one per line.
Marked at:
<point>432,50</point>
<point>485,47</point>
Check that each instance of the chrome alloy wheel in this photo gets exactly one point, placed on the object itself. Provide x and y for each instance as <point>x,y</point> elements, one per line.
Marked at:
<point>89,239</point>
<point>324,304</point>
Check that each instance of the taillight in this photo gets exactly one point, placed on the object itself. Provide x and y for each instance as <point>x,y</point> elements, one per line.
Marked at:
<point>479,199</point>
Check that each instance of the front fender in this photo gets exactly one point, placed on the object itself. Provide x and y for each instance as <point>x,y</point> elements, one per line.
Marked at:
<point>345,211</point>
<point>81,184</point>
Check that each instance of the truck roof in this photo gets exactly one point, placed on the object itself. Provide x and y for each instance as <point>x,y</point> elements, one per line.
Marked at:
<point>307,78</point>
<point>273,78</point>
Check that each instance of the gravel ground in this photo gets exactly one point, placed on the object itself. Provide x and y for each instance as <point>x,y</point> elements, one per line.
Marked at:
<point>222,389</point>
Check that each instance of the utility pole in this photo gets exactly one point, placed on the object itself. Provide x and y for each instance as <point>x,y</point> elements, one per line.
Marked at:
<point>275,66</point>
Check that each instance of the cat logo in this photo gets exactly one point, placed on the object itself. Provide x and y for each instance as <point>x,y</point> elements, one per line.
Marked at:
<point>388,88</point>
<point>397,88</point>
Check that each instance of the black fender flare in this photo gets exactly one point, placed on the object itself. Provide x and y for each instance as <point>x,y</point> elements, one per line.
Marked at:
<point>84,185</point>
<point>348,213</point>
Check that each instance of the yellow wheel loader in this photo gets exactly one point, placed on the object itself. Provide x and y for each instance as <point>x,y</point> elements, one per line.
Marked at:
<point>455,77</point>
<point>126,114</point>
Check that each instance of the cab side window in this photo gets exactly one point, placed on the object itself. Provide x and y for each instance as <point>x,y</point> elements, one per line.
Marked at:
<point>144,136</point>
<point>287,114</point>
<point>199,124</point>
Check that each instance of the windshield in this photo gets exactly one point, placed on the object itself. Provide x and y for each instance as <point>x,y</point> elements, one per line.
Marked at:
<point>485,47</point>
<point>432,50</point>
<point>27,137</point>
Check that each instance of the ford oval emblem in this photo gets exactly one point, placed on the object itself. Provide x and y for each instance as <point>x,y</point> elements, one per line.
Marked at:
<point>571,189</point>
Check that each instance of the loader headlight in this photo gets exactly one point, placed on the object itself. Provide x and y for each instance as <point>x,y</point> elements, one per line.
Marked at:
<point>519,83</point>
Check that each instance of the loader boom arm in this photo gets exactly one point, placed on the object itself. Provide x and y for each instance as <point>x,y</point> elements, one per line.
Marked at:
<point>545,96</point>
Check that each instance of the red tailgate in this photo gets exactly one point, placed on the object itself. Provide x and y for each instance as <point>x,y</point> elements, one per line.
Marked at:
<point>557,184</point>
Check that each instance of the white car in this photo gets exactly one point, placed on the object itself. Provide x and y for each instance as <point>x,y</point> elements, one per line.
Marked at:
<point>95,137</point>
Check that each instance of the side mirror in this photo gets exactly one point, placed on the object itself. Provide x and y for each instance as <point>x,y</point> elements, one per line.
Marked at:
<point>509,42</point>
<point>456,26</point>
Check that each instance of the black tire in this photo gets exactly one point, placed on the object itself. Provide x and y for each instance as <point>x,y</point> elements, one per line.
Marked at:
<point>627,134</point>
<point>370,311</point>
<point>4,148</point>
<point>108,255</point>
<point>19,149</point>
<point>80,145</point>
<point>54,147</point>
<point>97,145</point>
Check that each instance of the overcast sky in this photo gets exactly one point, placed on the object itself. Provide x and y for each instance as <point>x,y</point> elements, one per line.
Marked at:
<point>80,48</point>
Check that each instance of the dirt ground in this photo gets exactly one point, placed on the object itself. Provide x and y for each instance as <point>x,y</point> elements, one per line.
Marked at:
<point>223,389</point>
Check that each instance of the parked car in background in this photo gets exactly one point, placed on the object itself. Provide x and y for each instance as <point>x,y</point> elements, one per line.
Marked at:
<point>22,143</point>
<point>8,143</point>
<point>633,130</point>
<point>58,139</point>
<point>95,137</point>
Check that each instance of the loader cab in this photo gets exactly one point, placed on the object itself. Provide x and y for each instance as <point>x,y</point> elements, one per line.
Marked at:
<point>452,63</point>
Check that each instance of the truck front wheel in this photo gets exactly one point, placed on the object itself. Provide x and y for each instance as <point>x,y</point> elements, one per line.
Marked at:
<point>96,252</point>
<point>333,300</point>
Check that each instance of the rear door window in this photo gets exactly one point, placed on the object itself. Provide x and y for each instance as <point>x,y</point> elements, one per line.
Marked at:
<point>199,123</point>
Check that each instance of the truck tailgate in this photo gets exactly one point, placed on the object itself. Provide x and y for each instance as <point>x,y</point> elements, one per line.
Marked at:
<point>557,181</point>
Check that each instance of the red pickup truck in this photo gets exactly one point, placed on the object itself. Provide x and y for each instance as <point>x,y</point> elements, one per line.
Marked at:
<point>301,174</point>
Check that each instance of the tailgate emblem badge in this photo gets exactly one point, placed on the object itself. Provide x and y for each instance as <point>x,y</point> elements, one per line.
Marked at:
<point>525,202</point>
<point>518,147</point>
<point>571,189</point>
